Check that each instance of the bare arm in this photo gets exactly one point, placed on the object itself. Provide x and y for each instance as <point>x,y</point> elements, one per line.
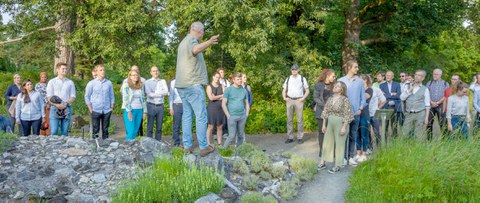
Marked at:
<point>224,107</point>
<point>201,47</point>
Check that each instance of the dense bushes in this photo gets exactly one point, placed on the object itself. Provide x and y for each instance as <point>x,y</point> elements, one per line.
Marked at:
<point>412,171</point>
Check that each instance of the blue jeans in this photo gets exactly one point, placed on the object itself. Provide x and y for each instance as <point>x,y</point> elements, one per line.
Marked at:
<point>59,123</point>
<point>131,126</point>
<point>460,126</point>
<point>352,136</point>
<point>155,114</point>
<point>236,126</point>
<point>193,99</point>
<point>363,138</point>
<point>28,126</point>
<point>177,122</point>
<point>376,129</point>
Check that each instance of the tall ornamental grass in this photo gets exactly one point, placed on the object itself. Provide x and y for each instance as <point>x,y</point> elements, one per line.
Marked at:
<point>412,171</point>
<point>170,180</point>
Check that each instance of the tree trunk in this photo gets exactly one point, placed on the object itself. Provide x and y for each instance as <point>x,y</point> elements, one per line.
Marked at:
<point>64,26</point>
<point>351,40</point>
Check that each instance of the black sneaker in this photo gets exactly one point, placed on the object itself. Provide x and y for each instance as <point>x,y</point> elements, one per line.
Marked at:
<point>322,166</point>
<point>300,141</point>
<point>334,170</point>
<point>288,141</point>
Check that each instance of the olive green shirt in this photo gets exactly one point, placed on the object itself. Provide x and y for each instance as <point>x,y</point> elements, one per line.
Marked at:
<point>191,69</point>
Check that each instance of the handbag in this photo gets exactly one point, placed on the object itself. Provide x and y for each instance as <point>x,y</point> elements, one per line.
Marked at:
<point>11,110</point>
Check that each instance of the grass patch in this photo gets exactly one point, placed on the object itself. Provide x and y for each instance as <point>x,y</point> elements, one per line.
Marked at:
<point>257,197</point>
<point>6,140</point>
<point>225,152</point>
<point>170,180</point>
<point>305,169</point>
<point>250,182</point>
<point>288,189</point>
<point>413,171</point>
<point>246,150</point>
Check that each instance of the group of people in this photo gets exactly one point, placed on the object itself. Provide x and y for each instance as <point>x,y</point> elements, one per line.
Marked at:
<point>345,109</point>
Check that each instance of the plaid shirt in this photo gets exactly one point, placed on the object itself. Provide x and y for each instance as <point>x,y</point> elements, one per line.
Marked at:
<point>437,89</point>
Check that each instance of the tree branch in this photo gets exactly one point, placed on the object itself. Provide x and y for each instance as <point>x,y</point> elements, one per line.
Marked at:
<point>373,41</point>
<point>370,6</point>
<point>375,19</point>
<point>20,38</point>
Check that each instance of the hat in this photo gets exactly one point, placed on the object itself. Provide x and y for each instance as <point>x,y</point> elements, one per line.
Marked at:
<point>294,67</point>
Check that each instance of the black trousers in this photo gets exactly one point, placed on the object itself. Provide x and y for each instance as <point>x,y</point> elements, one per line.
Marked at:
<point>28,126</point>
<point>104,118</point>
<point>320,135</point>
<point>437,111</point>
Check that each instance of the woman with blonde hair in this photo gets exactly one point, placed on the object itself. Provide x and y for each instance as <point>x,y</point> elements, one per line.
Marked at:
<point>323,90</point>
<point>11,96</point>
<point>458,109</point>
<point>337,114</point>
<point>29,110</point>
<point>133,104</point>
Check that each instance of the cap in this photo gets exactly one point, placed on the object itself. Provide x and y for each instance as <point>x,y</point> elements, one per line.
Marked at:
<point>294,67</point>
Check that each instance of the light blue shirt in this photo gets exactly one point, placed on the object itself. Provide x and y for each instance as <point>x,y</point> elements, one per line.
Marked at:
<point>476,100</point>
<point>174,97</point>
<point>355,92</point>
<point>99,95</point>
<point>31,111</point>
<point>156,90</point>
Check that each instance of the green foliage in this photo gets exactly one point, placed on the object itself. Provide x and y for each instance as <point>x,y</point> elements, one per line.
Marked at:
<point>287,154</point>
<point>305,169</point>
<point>288,189</point>
<point>260,162</point>
<point>265,175</point>
<point>257,197</point>
<point>225,152</point>
<point>250,182</point>
<point>240,167</point>
<point>6,140</point>
<point>177,152</point>
<point>169,180</point>
<point>246,150</point>
<point>279,171</point>
<point>412,171</point>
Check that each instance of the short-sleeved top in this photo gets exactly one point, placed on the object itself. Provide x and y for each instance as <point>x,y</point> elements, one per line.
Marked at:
<point>295,88</point>
<point>236,97</point>
<point>437,89</point>
<point>191,69</point>
<point>42,89</point>
<point>61,88</point>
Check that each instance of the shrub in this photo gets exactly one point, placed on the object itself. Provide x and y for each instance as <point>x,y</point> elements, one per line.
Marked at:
<point>250,182</point>
<point>265,175</point>
<point>413,171</point>
<point>287,154</point>
<point>240,167</point>
<point>177,152</point>
<point>225,152</point>
<point>6,140</point>
<point>257,197</point>
<point>246,150</point>
<point>279,171</point>
<point>169,180</point>
<point>288,189</point>
<point>260,161</point>
<point>305,169</point>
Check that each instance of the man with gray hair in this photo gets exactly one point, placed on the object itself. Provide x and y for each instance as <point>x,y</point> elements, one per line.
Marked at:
<point>191,76</point>
<point>437,88</point>
<point>417,106</point>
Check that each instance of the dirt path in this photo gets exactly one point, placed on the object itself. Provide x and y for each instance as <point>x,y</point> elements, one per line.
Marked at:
<point>325,187</point>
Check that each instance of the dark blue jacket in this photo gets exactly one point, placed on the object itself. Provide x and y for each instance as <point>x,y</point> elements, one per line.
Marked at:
<point>12,91</point>
<point>396,98</point>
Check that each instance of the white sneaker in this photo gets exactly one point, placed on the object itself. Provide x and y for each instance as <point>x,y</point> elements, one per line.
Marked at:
<point>357,157</point>
<point>362,158</point>
<point>369,151</point>
<point>352,162</point>
<point>344,162</point>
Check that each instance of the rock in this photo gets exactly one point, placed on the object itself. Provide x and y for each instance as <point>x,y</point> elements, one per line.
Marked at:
<point>46,171</point>
<point>99,178</point>
<point>152,145</point>
<point>74,152</point>
<point>210,198</point>
<point>41,194</point>
<point>72,142</point>
<point>190,159</point>
<point>78,197</point>
<point>114,145</point>
<point>26,175</point>
<point>278,164</point>
<point>102,199</point>
<point>58,199</point>
<point>214,160</point>
<point>227,193</point>
<point>3,177</point>
<point>19,195</point>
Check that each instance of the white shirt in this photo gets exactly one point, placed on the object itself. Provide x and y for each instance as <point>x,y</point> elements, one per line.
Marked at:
<point>137,100</point>
<point>156,90</point>
<point>295,89</point>
<point>458,106</point>
<point>224,82</point>
<point>407,93</point>
<point>61,88</point>
<point>375,100</point>
<point>475,87</point>
<point>389,85</point>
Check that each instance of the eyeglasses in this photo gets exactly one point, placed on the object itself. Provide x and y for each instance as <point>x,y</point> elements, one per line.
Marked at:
<point>402,76</point>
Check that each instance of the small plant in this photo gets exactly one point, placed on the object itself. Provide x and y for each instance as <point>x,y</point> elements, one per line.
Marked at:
<point>177,152</point>
<point>246,150</point>
<point>304,168</point>
<point>260,161</point>
<point>288,189</point>
<point>6,140</point>
<point>279,171</point>
<point>240,167</point>
<point>265,175</point>
<point>287,154</point>
<point>257,197</point>
<point>225,152</point>
<point>250,182</point>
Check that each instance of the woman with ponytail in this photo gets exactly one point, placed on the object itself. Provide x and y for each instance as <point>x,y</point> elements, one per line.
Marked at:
<point>30,109</point>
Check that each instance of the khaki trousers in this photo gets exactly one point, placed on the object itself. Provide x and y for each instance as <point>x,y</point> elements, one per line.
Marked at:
<point>414,121</point>
<point>334,143</point>
<point>294,106</point>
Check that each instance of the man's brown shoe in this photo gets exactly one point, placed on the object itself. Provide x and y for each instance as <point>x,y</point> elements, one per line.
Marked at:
<point>187,150</point>
<point>206,151</point>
